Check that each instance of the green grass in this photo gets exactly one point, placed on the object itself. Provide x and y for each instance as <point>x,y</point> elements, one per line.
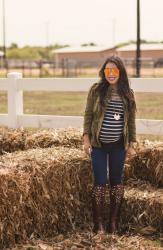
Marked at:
<point>149,105</point>
<point>54,103</point>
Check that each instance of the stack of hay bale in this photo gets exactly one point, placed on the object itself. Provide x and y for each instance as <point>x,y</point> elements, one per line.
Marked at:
<point>45,186</point>
<point>143,207</point>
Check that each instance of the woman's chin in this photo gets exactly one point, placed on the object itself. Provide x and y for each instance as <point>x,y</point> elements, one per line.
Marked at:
<point>112,82</point>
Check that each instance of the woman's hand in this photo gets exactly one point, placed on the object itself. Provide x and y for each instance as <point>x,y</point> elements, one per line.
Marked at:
<point>87,148</point>
<point>87,145</point>
<point>130,153</point>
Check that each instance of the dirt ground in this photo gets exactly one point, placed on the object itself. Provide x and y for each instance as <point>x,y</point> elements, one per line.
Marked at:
<point>87,241</point>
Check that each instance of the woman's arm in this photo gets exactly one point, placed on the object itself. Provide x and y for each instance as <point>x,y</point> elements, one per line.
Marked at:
<point>88,116</point>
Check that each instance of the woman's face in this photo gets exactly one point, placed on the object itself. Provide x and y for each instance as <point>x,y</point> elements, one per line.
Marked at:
<point>111,73</point>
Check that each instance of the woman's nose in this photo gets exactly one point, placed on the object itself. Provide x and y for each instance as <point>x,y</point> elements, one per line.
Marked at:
<point>111,72</point>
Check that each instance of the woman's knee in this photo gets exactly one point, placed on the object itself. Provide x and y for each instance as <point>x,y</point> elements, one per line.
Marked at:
<point>116,180</point>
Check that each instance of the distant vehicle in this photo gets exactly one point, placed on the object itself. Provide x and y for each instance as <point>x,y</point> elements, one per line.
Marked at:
<point>45,63</point>
<point>158,63</point>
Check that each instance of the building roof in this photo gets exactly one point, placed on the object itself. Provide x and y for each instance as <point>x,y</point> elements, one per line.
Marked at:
<point>81,49</point>
<point>130,47</point>
<point>144,46</point>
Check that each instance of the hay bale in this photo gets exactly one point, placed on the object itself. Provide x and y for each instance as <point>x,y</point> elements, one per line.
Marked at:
<point>148,165</point>
<point>142,207</point>
<point>70,137</point>
<point>12,139</point>
<point>128,173</point>
<point>22,139</point>
<point>43,192</point>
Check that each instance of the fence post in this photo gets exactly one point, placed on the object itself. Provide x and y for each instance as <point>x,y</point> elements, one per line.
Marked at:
<point>15,100</point>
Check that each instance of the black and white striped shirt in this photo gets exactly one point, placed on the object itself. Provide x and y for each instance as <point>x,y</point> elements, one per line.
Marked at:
<point>112,129</point>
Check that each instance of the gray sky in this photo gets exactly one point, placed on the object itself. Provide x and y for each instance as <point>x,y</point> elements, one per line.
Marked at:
<point>105,22</point>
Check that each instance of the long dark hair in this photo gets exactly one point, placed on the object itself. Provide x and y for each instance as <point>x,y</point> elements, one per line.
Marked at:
<point>123,86</point>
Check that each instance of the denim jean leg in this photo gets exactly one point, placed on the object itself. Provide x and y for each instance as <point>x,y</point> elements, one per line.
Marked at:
<point>99,166</point>
<point>116,164</point>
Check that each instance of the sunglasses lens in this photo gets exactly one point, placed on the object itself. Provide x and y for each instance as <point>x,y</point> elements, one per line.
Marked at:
<point>114,71</point>
<point>107,71</point>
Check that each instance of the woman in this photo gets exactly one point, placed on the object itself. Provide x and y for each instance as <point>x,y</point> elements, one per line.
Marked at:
<point>108,135</point>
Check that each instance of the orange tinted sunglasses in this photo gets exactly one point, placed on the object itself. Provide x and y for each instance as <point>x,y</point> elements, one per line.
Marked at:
<point>115,71</point>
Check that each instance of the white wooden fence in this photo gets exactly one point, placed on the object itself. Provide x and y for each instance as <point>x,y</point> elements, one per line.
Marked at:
<point>15,85</point>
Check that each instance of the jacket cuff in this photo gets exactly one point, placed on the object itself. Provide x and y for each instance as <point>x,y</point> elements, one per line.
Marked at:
<point>86,132</point>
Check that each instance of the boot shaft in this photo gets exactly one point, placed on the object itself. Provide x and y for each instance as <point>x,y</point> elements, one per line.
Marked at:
<point>98,207</point>
<point>116,198</point>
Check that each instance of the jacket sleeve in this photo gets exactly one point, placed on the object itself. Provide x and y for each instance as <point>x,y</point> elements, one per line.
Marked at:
<point>132,124</point>
<point>88,114</point>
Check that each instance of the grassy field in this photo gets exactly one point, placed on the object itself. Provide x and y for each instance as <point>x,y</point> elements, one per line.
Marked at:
<point>149,105</point>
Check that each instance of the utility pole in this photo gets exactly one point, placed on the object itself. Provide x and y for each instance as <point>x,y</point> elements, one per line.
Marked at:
<point>4,34</point>
<point>114,32</point>
<point>47,38</point>
<point>138,52</point>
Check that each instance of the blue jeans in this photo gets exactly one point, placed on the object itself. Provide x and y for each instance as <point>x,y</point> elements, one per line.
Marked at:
<point>111,155</point>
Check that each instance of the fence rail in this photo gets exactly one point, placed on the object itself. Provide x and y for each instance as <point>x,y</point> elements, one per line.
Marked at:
<point>15,85</point>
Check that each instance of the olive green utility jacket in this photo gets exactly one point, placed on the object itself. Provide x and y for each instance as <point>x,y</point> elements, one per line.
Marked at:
<point>94,115</point>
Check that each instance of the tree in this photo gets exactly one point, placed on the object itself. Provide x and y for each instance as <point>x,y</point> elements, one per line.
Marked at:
<point>13,46</point>
<point>88,44</point>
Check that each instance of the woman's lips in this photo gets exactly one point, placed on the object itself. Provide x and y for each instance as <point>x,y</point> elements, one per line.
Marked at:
<point>111,78</point>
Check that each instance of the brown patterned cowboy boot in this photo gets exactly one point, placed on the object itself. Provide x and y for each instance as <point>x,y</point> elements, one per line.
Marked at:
<point>98,206</point>
<point>116,198</point>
